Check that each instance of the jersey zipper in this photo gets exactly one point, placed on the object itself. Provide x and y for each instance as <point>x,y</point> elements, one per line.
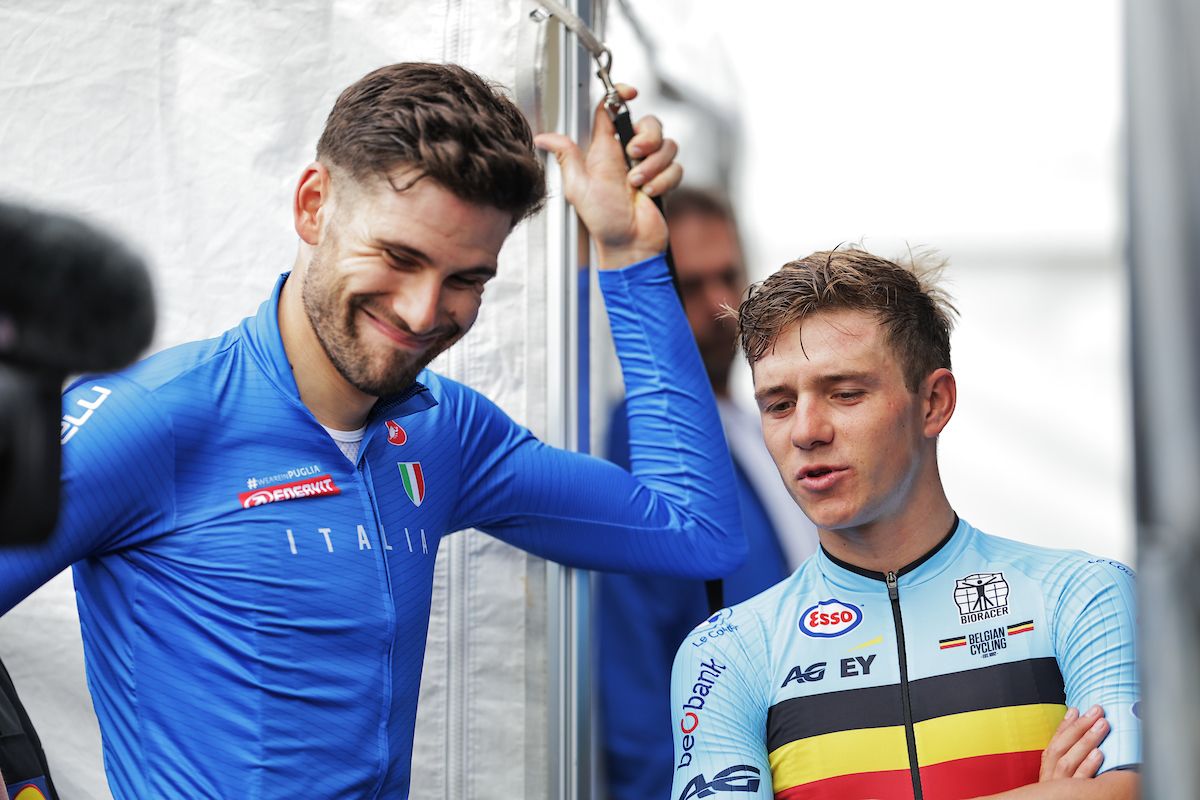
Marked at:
<point>363,470</point>
<point>909,731</point>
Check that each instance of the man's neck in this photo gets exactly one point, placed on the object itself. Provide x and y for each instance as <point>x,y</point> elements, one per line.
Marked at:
<point>888,545</point>
<point>334,402</point>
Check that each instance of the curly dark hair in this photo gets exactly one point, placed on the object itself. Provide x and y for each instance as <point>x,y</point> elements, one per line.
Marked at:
<point>446,122</point>
<point>916,314</point>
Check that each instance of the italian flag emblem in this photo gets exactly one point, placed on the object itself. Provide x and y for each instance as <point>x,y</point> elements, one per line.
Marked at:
<point>414,480</point>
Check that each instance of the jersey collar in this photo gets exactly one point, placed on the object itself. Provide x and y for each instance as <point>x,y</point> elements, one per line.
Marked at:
<point>265,343</point>
<point>849,576</point>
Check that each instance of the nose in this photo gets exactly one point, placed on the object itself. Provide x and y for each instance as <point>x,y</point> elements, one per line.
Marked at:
<point>812,426</point>
<point>418,303</point>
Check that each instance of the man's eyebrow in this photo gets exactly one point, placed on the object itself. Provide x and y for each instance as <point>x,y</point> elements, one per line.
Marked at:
<point>838,377</point>
<point>400,248</point>
<point>761,394</point>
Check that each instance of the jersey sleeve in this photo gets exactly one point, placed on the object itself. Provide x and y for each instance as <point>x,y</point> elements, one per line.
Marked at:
<point>676,514</point>
<point>117,483</point>
<point>719,698</point>
<point>1094,639</point>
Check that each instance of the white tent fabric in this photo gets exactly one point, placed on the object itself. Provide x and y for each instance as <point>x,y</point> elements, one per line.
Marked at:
<point>181,126</point>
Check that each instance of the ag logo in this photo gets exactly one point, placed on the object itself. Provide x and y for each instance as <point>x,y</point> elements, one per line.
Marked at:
<point>830,618</point>
<point>396,434</point>
<point>811,674</point>
<point>742,778</point>
<point>983,595</point>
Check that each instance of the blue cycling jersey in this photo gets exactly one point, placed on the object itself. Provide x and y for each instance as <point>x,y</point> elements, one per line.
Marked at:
<point>943,680</point>
<point>254,606</point>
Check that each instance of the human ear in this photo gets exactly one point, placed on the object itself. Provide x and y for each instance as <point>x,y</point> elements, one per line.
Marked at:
<point>939,393</point>
<point>310,200</point>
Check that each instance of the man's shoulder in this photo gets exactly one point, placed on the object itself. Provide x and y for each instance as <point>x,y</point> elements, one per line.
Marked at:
<point>755,621</point>
<point>1003,548</point>
<point>1055,569</point>
<point>179,362</point>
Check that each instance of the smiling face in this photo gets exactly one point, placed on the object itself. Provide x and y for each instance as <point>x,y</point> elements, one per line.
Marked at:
<point>397,277</point>
<point>854,446</point>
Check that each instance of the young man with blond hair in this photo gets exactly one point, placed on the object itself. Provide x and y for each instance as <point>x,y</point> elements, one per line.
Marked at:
<point>913,655</point>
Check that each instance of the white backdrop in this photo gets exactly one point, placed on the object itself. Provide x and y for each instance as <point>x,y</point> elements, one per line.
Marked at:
<point>991,133</point>
<point>182,126</point>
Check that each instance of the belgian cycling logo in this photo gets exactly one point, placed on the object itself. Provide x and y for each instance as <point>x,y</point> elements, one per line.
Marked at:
<point>830,618</point>
<point>396,434</point>
<point>983,595</point>
<point>414,481</point>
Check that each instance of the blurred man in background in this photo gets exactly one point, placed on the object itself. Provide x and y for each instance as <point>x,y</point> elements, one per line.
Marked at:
<point>642,618</point>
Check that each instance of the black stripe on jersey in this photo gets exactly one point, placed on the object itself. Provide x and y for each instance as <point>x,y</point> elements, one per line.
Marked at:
<point>802,717</point>
<point>1019,683</point>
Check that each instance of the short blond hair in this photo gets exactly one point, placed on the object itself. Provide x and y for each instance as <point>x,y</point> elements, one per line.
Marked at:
<point>916,315</point>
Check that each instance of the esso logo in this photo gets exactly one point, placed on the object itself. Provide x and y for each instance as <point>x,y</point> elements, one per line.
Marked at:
<point>830,618</point>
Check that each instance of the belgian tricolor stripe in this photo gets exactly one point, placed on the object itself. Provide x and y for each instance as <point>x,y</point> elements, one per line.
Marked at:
<point>986,721</point>
<point>954,641</point>
<point>1020,627</point>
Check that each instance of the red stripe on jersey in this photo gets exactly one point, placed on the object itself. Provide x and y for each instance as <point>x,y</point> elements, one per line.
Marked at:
<point>972,777</point>
<point>890,783</point>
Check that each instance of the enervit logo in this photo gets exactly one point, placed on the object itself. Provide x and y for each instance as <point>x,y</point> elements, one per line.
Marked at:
<point>396,434</point>
<point>312,487</point>
<point>830,618</point>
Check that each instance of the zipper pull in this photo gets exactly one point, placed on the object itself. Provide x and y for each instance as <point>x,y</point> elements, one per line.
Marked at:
<point>893,589</point>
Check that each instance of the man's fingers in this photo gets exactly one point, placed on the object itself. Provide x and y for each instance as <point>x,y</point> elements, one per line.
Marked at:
<point>654,164</point>
<point>570,160</point>
<point>647,138</point>
<point>1090,766</point>
<point>667,180</point>
<point>1088,740</point>
<point>626,91</point>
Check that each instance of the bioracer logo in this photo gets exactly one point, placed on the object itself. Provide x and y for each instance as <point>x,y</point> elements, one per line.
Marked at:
<point>830,618</point>
<point>312,487</point>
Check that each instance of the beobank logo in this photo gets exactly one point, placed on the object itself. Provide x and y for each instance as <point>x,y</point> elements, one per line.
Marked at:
<point>310,487</point>
<point>830,618</point>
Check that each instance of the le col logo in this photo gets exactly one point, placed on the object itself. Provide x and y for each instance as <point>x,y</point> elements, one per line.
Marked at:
<point>71,423</point>
<point>830,618</point>
<point>740,778</point>
<point>714,627</point>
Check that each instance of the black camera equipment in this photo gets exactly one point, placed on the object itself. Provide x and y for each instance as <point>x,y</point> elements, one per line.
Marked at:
<point>72,300</point>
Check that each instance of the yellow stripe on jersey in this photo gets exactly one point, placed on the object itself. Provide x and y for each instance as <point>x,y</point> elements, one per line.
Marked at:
<point>842,753</point>
<point>995,730</point>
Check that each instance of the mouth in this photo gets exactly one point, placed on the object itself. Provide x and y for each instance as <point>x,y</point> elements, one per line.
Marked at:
<point>820,477</point>
<point>406,339</point>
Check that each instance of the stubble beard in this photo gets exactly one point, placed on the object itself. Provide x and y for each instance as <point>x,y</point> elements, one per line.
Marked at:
<point>335,325</point>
